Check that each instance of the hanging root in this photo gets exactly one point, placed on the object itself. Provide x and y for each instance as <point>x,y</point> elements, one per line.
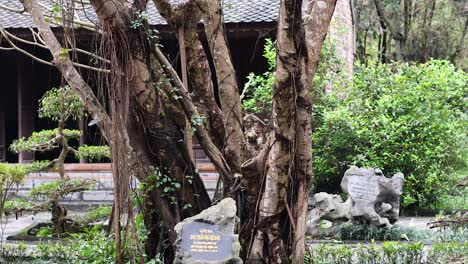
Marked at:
<point>114,45</point>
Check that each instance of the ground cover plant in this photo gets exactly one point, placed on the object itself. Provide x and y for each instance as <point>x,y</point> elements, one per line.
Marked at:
<point>390,252</point>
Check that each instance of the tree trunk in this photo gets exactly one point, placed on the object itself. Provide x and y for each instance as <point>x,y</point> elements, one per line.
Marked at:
<point>283,205</point>
<point>145,127</point>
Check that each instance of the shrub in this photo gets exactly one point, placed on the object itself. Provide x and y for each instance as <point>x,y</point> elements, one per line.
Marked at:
<point>387,253</point>
<point>399,117</point>
<point>408,118</point>
<point>349,231</point>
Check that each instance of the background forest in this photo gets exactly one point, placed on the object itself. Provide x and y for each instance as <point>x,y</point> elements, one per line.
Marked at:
<point>412,30</point>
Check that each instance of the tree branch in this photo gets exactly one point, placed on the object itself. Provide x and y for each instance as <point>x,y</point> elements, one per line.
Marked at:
<point>190,110</point>
<point>381,13</point>
<point>11,9</point>
<point>235,142</point>
<point>70,74</point>
<point>185,17</point>
<point>7,36</point>
<point>315,14</point>
<point>83,24</point>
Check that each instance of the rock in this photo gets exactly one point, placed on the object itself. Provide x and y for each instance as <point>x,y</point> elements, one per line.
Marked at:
<point>209,237</point>
<point>328,212</point>
<point>375,198</point>
<point>372,199</point>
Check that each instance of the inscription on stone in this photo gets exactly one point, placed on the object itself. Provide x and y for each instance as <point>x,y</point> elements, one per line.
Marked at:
<point>362,187</point>
<point>205,242</point>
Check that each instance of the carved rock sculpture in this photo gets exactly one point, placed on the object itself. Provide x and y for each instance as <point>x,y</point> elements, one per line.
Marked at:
<point>328,211</point>
<point>372,199</point>
<point>376,199</point>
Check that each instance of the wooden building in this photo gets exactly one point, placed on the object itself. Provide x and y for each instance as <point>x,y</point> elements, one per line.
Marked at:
<point>23,80</point>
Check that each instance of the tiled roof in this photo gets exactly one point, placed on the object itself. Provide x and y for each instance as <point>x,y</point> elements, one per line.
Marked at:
<point>235,11</point>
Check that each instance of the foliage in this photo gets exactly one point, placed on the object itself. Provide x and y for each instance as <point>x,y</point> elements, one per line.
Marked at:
<point>60,188</point>
<point>257,94</point>
<point>458,199</point>
<point>44,231</point>
<point>365,232</point>
<point>165,183</point>
<point>139,19</point>
<point>40,165</point>
<point>60,103</point>
<point>389,252</point>
<point>196,120</point>
<point>10,253</point>
<point>257,91</point>
<point>436,33</point>
<point>92,246</point>
<point>17,203</point>
<point>99,213</point>
<point>93,153</point>
<point>455,229</point>
<point>399,117</point>
<point>43,140</point>
<point>10,175</point>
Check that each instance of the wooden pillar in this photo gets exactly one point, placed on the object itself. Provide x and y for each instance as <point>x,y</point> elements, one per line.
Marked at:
<point>183,62</point>
<point>2,136</point>
<point>83,141</point>
<point>26,102</point>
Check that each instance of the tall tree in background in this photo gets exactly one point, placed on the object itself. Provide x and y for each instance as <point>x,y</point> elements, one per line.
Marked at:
<point>149,106</point>
<point>409,30</point>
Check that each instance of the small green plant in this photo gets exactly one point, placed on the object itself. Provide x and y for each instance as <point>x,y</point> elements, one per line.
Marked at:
<point>44,231</point>
<point>349,231</point>
<point>166,184</point>
<point>139,19</point>
<point>93,153</point>
<point>339,254</point>
<point>10,175</point>
<point>14,253</point>
<point>92,246</point>
<point>389,252</point>
<point>256,96</point>
<point>99,213</point>
<point>196,120</point>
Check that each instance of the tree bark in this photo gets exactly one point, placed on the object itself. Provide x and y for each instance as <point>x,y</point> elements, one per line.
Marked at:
<point>299,42</point>
<point>235,146</point>
<point>395,29</point>
<point>151,122</point>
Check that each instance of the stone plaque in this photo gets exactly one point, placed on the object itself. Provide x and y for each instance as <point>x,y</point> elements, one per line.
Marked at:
<point>208,237</point>
<point>362,187</point>
<point>206,242</point>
